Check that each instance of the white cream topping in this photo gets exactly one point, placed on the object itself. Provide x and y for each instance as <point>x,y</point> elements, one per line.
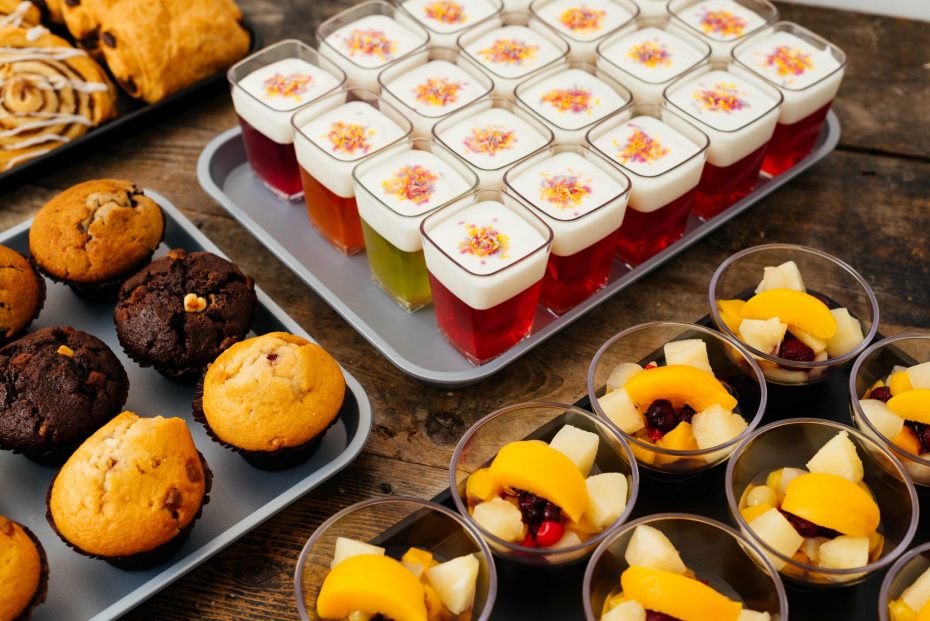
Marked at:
<point>436,88</point>
<point>787,60</point>
<point>287,84</point>
<point>584,20</point>
<point>652,54</point>
<point>513,51</point>
<point>721,99</point>
<point>721,20</point>
<point>566,186</point>
<point>374,41</point>
<point>445,16</point>
<point>572,99</point>
<point>646,146</point>
<point>493,139</point>
<point>352,131</point>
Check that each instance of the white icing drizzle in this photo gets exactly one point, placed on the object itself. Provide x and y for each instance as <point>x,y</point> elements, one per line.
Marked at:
<point>28,142</point>
<point>13,161</point>
<point>49,122</point>
<point>58,82</point>
<point>35,32</point>
<point>20,54</point>
<point>16,17</point>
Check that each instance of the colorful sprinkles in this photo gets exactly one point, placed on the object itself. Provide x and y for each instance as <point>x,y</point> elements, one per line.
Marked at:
<point>789,61</point>
<point>349,138</point>
<point>650,54</point>
<point>575,99</point>
<point>370,42</point>
<point>509,52</point>
<point>412,183</point>
<point>484,241</point>
<point>564,190</point>
<point>438,92</point>
<point>640,148</point>
<point>491,140</point>
<point>723,97</point>
<point>292,85</point>
<point>722,23</point>
<point>583,19</point>
<point>446,12</point>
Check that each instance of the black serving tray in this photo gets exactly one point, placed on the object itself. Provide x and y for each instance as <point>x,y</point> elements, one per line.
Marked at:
<point>131,114</point>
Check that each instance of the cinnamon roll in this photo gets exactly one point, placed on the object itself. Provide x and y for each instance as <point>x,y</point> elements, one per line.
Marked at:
<point>50,94</point>
<point>19,13</point>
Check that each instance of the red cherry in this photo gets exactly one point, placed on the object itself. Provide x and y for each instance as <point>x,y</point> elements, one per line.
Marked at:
<point>529,541</point>
<point>549,533</point>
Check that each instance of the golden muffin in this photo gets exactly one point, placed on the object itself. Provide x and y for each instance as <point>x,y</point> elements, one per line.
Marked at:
<point>23,571</point>
<point>22,293</point>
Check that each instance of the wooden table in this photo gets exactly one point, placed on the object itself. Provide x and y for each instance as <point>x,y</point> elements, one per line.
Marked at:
<point>869,203</point>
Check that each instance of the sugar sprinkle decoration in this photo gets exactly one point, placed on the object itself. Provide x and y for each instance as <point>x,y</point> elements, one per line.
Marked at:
<point>722,23</point>
<point>484,241</point>
<point>583,19</point>
<point>349,138</point>
<point>370,42</point>
<point>788,61</point>
<point>575,99</point>
<point>640,148</point>
<point>651,54</point>
<point>509,52</point>
<point>722,97</point>
<point>412,183</point>
<point>491,140</point>
<point>564,190</point>
<point>438,92</point>
<point>446,12</point>
<point>292,85</point>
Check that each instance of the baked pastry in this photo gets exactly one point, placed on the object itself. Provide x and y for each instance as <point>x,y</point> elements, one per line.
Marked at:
<point>130,494</point>
<point>157,48</point>
<point>57,386</point>
<point>22,293</point>
<point>51,10</point>
<point>19,13</point>
<point>50,94</point>
<point>23,571</point>
<point>95,234</point>
<point>82,18</point>
<point>271,398</point>
<point>179,313</point>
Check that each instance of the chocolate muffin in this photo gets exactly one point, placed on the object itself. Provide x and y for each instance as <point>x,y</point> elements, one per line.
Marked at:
<point>23,571</point>
<point>271,398</point>
<point>130,494</point>
<point>22,293</point>
<point>179,313</point>
<point>95,234</point>
<point>57,386</point>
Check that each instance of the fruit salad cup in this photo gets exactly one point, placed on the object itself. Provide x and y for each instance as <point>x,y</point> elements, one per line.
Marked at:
<point>543,482</point>
<point>802,313</point>
<point>905,593</point>
<point>889,389</point>
<point>400,558</point>
<point>828,504</point>
<point>678,394</point>
<point>687,567</point>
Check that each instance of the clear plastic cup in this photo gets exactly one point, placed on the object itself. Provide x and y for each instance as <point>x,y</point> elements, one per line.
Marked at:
<point>902,575</point>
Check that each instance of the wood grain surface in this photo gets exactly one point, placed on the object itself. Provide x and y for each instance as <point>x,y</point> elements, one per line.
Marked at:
<point>869,203</point>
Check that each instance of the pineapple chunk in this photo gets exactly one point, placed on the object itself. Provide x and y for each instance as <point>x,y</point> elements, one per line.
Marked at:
<point>500,518</point>
<point>622,374</point>
<point>900,611</point>
<point>628,610</point>
<point>811,547</point>
<point>622,412</point>
<point>816,344</point>
<point>578,445</point>
<point>649,547</point>
<point>883,419</point>
<point>763,334</point>
<point>761,495</point>
<point>347,548</point>
<point>715,426</point>
<point>690,352</point>
<point>455,581</point>
<point>779,480</point>
<point>918,594</point>
<point>848,333</point>
<point>839,457</point>
<point>785,276</point>
<point>775,530</point>
<point>753,615</point>
<point>607,494</point>
<point>845,552</point>
<point>751,513</point>
<point>920,375</point>
<point>417,561</point>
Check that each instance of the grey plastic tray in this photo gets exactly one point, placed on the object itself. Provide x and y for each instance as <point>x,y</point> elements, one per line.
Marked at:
<point>242,496</point>
<point>411,341</point>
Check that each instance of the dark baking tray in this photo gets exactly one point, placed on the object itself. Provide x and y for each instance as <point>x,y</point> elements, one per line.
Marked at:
<point>132,114</point>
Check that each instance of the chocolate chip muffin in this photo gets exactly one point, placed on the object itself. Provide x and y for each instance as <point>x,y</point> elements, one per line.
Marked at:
<point>23,571</point>
<point>271,398</point>
<point>179,313</point>
<point>95,234</point>
<point>130,494</point>
<point>57,386</point>
<point>22,293</point>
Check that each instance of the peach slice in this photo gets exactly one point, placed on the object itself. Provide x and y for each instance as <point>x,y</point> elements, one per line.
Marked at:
<point>373,585</point>
<point>899,382</point>
<point>831,501</point>
<point>731,312</point>
<point>677,595</point>
<point>480,485</point>
<point>680,384</point>
<point>795,308</point>
<point>536,467</point>
<point>912,405</point>
<point>907,441</point>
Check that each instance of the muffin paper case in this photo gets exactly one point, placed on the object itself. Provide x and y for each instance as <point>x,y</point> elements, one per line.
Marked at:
<point>42,590</point>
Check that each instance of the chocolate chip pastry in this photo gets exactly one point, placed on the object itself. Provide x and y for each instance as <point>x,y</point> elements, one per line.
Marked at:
<point>51,10</point>
<point>82,17</point>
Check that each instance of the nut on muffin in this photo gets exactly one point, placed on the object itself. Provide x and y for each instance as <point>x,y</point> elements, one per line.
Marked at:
<point>23,571</point>
<point>22,293</point>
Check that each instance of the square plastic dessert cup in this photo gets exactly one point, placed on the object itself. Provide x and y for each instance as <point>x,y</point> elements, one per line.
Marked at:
<point>424,119</point>
<point>735,155</point>
<point>805,107</point>
<point>722,44</point>
<point>902,575</point>
<point>359,75</point>
<point>584,48</point>
<point>824,274</point>
<point>492,178</point>
<point>574,134</point>
<point>643,90</point>
<point>482,314</point>
<point>513,423</point>
<point>720,556</point>
<point>397,524</point>
<point>659,203</point>
<point>266,131</point>
<point>583,244</point>
<point>728,359</point>
<point>454,25</point>
<point>504,85</point>
<point>875,363</point>
<point>791,443</point>
<point>652,8</point>
<point>392,239</point>
<point>329,190</point>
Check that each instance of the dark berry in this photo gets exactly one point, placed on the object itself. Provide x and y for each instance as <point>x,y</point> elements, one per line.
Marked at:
<point>793,349</point>
<point>882,393</point>
<point>661,416</point>
<point>922,432</point>
<point>552,513</point>
<point>549,534</point>
<point>807,528</point>
<point>652,615</point>
<point>685,414</point>
<point>536,510</point>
